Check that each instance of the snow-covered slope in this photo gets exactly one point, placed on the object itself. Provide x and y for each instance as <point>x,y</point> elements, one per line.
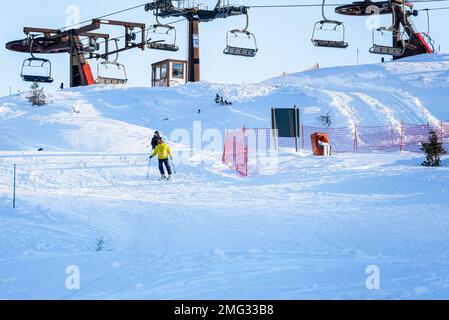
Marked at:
<point>311,230</point>
<point>414,90</point>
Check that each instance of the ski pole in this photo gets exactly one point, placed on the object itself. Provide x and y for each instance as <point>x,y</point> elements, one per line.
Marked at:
<point>149,166</point>
<point>173,165</point>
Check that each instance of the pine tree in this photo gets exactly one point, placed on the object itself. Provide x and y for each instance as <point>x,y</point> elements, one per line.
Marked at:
<point>37,96</point>
<point>433,149</point>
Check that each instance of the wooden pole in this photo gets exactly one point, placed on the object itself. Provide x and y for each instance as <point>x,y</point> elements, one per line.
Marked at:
<point>194,74</point>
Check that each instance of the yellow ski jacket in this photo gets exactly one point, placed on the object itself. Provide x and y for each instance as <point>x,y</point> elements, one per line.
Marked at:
<point>162,151</point>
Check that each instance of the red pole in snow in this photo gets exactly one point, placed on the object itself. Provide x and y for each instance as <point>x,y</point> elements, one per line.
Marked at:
<point>223,159</point>
<point>245,151</point>
<point>246,161</point>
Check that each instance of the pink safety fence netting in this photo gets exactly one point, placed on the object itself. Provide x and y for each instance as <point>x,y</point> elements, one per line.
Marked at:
<point>400,137</point>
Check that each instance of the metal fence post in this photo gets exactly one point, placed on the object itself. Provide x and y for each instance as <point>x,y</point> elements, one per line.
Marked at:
<point>303,142</point>
<point>14,189</point>
<point>297,120</point>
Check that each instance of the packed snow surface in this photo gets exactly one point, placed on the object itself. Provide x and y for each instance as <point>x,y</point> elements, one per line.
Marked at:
<point>309,231</point>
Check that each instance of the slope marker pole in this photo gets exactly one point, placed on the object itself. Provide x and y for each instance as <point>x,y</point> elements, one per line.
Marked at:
<point>14,189</point>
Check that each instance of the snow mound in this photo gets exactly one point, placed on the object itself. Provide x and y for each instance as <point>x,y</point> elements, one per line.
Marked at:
<point>309,231</point>
<point>121,119</point>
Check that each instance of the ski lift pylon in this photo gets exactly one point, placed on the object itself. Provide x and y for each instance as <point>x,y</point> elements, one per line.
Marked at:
<point>33,63</point>
<point>249,51</point>
<point>330,26</point>
<point>120,70</point>
<point>165,37</point>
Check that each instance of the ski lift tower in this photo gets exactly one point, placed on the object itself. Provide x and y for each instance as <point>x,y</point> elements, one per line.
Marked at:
<point>401,17</point>
<point>55,41</point>
<point>194,14</point>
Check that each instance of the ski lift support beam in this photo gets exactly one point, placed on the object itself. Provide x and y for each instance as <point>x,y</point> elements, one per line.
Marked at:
<point>52,41</point>
<point>415,45</point>
<point>165,9</point>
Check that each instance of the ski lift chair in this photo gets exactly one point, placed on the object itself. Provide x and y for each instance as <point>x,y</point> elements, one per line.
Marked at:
<point>165,37</point>
<point>330,26</point>
<point>163,44</point>
<point>327,25</point>
<point>241,51</point>
<point>385,49</point>
<point>390,32</point>
<point>115,80</point>
<point>36,69</point>
<point>119,76</point>
<point>243,35</point>
<point>36,64</point>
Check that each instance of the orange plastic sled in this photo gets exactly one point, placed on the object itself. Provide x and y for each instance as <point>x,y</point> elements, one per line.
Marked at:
<point>315,139</point>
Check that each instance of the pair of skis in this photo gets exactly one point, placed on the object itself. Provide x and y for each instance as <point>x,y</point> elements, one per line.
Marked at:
<point>172,165</point>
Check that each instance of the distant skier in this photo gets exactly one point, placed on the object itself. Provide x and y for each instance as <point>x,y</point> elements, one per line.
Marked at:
<point>163,152</point>
<point>155,140</point>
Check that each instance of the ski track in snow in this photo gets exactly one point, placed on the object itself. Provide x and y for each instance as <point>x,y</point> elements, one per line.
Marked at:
<point>303,233</point>
<point>307,232</point>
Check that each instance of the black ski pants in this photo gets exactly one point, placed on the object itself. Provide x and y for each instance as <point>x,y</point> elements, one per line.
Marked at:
<point>165,162</point>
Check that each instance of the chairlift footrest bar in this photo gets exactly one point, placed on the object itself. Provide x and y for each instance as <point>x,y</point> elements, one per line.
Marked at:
<point>392,51</point>
<point>163,46</point>
<point>243,52</point>
<point>330,43</point>
<point>107,81</point>
<point>40,79</point>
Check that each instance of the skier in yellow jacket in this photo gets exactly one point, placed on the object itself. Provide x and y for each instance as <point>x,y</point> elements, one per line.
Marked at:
<point>163,152</point>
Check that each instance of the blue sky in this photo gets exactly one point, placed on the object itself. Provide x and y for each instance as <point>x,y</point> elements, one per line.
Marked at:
<point>283,37</point>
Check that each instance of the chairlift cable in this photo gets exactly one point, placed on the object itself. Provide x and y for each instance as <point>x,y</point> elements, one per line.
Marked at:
<point>433,9</point>
<point>105,16</point>
<point>250,6</point>
<point>319,5</point>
